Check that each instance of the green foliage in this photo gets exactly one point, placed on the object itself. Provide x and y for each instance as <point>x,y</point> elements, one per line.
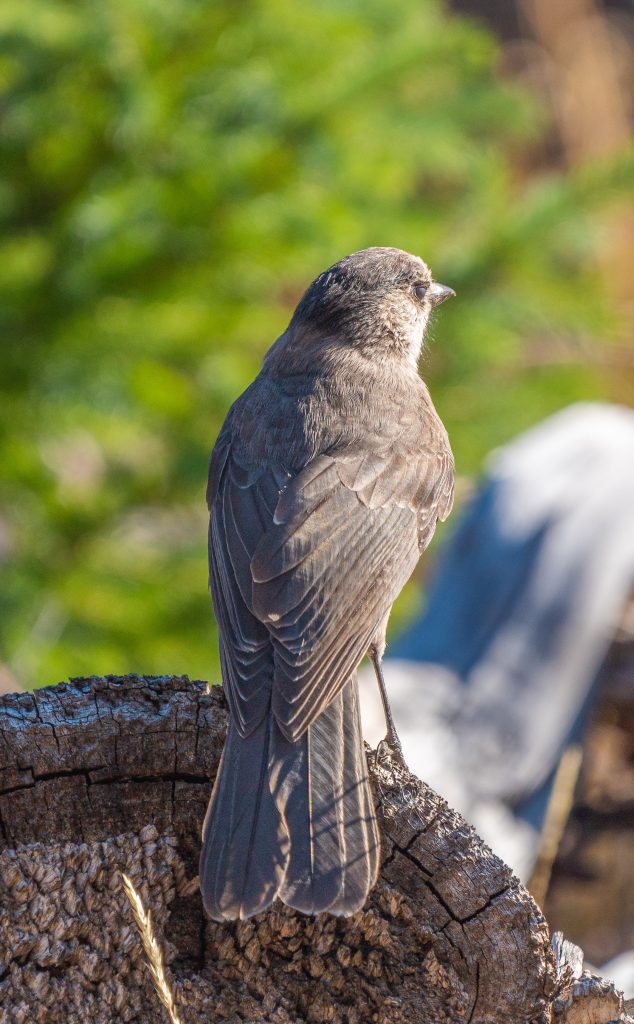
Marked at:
<point>173,175</point>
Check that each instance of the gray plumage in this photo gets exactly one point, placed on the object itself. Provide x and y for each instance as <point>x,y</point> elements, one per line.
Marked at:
<point>325,485</point>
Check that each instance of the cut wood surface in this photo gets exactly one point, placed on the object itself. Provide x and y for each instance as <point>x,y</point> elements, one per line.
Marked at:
<point>107,775</point>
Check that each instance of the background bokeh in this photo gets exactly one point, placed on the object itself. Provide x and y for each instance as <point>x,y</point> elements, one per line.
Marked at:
<point>172,175</point>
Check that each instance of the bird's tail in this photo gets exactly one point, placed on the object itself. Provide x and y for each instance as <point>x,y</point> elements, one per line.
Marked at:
<point>245,847</point>
<point>292,819</point>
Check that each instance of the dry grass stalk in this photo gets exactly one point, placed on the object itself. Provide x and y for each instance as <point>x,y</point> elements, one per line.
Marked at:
<point>152,949</point>
<point>557,814</point>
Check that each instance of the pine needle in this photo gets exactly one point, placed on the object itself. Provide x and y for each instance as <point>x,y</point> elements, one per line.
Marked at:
<point>152,949</point>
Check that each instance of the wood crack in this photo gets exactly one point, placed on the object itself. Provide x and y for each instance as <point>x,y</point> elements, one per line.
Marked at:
<point>85,773</point>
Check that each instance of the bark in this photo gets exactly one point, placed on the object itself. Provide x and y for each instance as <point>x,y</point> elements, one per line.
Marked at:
<point>583,998</point>
<point>105,775</point>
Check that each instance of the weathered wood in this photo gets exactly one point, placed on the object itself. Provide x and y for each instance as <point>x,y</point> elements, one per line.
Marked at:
<point>112,774</point>
<point>583,998</point>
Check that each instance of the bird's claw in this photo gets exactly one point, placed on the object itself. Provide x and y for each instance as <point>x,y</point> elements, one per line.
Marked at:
<point>390,749</point>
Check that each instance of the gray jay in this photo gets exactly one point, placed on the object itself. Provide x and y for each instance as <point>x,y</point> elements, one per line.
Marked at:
<point>325,485</point>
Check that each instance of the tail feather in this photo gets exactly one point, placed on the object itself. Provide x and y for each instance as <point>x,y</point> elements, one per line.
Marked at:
<point>292,818</point>
<point>308,790</point>
<point>363,847</point>
<point>245,845</point>
<point>327,806</point>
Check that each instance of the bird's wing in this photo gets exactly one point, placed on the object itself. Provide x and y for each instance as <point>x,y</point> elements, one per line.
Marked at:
<point>344,537</point>
<point>241,508</point>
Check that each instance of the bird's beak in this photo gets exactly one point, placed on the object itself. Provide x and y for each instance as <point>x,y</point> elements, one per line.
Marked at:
<point>439,292</point>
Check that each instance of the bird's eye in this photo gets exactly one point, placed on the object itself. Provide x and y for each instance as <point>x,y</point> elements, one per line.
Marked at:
<point>421,291</point>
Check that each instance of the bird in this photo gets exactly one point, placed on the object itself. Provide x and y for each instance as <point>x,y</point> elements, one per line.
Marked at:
<point>326,482</point>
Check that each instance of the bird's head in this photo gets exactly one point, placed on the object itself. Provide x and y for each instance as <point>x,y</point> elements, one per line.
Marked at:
<point>378,301</point>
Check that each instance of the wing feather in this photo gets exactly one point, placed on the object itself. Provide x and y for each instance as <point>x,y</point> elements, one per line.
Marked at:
<point>305,568</point>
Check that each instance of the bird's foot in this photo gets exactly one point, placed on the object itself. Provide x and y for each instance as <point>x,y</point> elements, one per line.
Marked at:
<point>390,749</point>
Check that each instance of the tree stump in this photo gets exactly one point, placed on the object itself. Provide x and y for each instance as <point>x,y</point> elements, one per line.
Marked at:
<point>104,775</point>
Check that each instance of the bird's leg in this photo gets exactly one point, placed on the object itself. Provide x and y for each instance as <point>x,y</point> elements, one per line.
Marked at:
<point>391,737</point>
